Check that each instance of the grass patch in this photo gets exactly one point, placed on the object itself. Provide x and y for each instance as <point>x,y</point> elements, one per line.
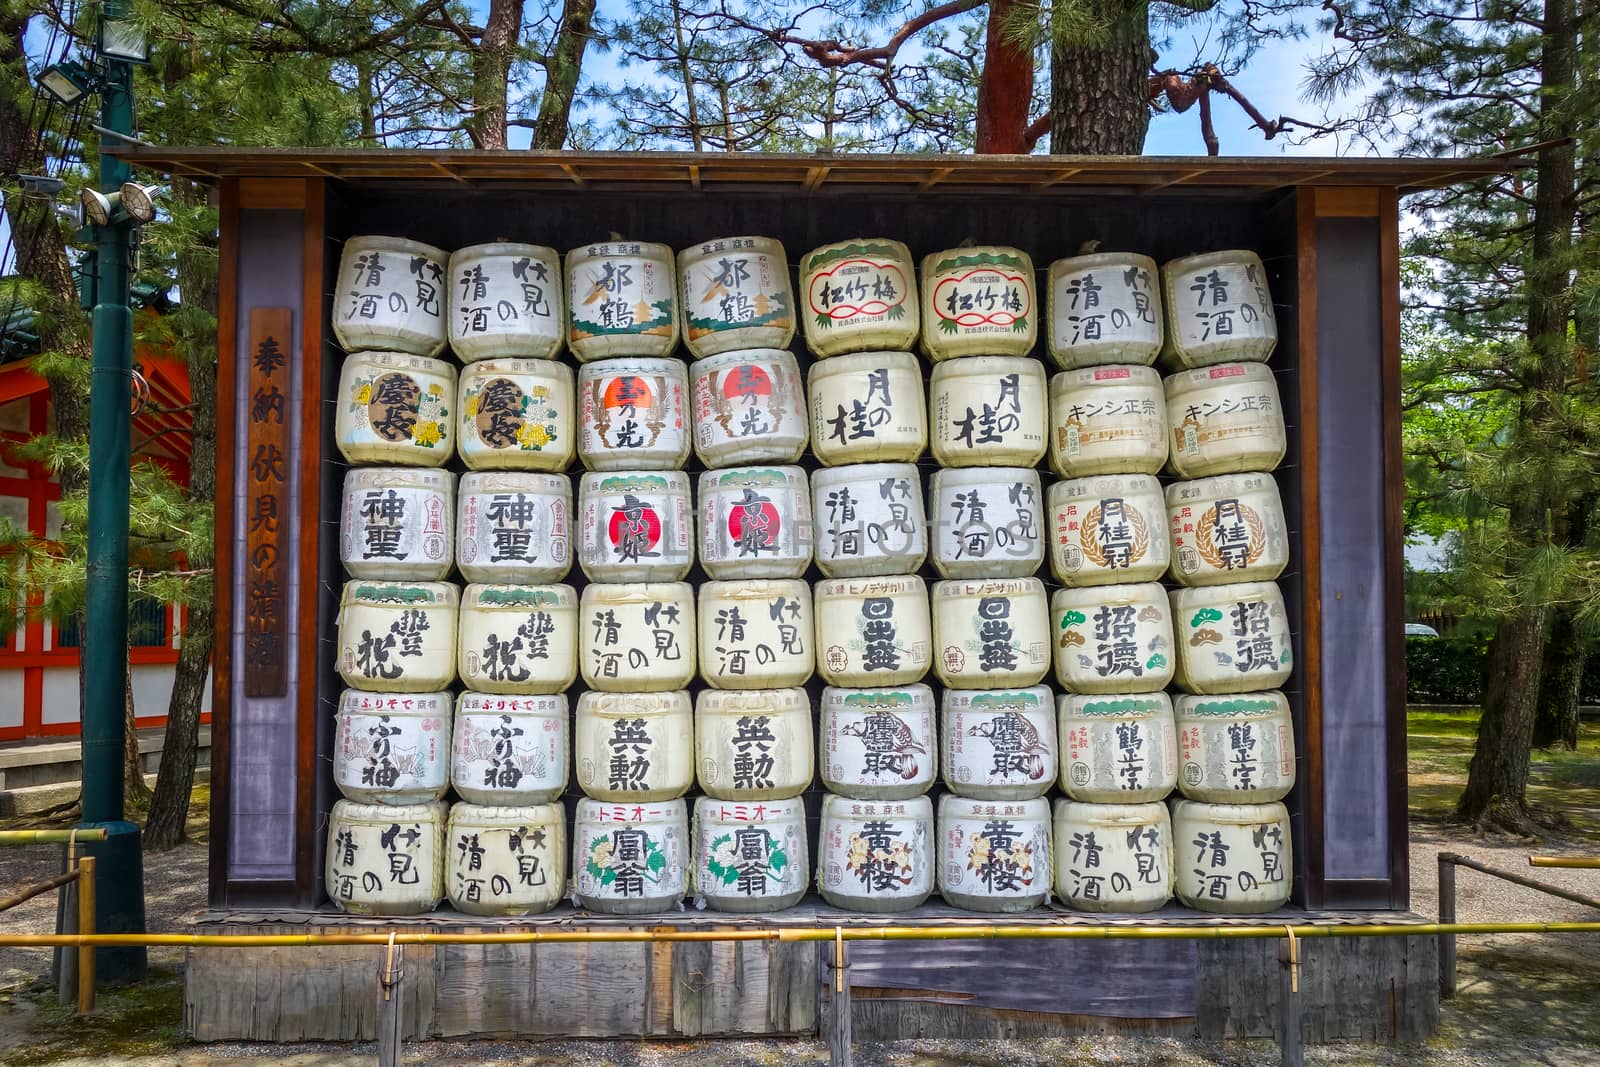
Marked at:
<point>134,1020</point>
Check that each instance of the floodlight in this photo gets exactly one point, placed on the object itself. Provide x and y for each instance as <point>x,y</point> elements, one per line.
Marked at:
<point>67,81</point>
<point>138,201</point>
<point>40,185</point>
<point>99,208</point>
<point>124,39</point>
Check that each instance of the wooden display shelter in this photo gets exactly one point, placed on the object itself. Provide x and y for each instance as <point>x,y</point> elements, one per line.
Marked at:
<point>1327,230</point>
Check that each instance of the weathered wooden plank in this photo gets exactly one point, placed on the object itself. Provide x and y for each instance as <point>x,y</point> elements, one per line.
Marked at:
<point>693,992</point>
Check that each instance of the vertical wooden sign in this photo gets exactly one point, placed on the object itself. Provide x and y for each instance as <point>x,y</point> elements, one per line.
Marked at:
<point>266,502</point>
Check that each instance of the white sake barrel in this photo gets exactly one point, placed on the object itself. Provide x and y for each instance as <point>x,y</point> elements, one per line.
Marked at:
<point>736,294</point>
<point>1104,308</point>
<point>397,523</point>
<point>509,750</point>
<point>869,519</point>
<point>505,860</point>
<point>517,414</point>
<point>754,744</point>
<point>1227,529</point>
<point>1113,638</point>
<point>391,294</point>
<point>385,860</point>
<point>636,526</point>
<point>987,522</point>
<point>998,744</point>
<point>518,638</point>
<point>633,414</point>
<point>398,637</point>
<point>878,744</point>
<point>1108,529</point>
<point>991,633</point>
<point>756,633</point>
<point>867,408</point>
<point>1113,857</point>
<point>875,855</point>
<point>1242,860</point>
<point>634,746</point>
<point>1223,419</point>
<point>395,409</point>
<point>1236,749</point>
<point>750,857</point>
<point>994,856</point>
<point>755,522</point>
<point>514,527</point>
<point>860,295</point>
<point>1117,749</point>
<point>873,631</point>
<point>988,411</point>
<point>638,637</point>
<point>630,859</point>
<point>1107,420</point>
<point>1231,638</point>
<point>621,300</point>
<point>978,301</point>
<point>505,300</point>
<point>749,407</point>
<point>1218,310</point>
<point>392,748</point>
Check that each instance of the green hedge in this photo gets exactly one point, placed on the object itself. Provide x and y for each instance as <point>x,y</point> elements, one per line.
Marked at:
<point>1445,670</point>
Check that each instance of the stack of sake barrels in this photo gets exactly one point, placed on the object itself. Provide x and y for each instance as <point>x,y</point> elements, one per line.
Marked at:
<point>1218,533</point>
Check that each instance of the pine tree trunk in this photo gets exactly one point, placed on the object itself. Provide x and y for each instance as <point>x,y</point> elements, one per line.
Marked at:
<point>1005,89</point>
<point>1555,720</point>
<point>1496,796</point>
<point>491,71</point>
<point>562,68</point>
<point>169,807</point>
<point>135,794</point>
<point>1099,91</point>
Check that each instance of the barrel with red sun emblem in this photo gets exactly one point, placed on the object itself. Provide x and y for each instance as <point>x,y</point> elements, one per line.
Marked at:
<point>755,522</point>
<point>749,407</point>
<point>633,414</point>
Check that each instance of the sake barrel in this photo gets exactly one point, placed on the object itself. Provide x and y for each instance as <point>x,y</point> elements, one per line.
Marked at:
<point>755,522</point>
<point>385,860</point>
<point>878,744</point>
<point>397,637</point>
<point>756,633</point>
<point>1117,749</point>
<point>634,746</point>
<point>1107,420</point>
<point>395,409</point>
<point>1108,529</point>
<point>869,520</point>
<point>994,856</point>
<point>621,300</point>
<point>638,637</point>
<point>735,294</point>
<point>873,631</point>
<point>1231,638</point>
<point>750,856</point>
<point>1227,529</point>
<point>1236,749</point>
<point>390,295</point>
<point>1218,310</point>
<point>1113,638</point>
<point>1113,857</point>
<point>867,408</point>
<point>987,522</point>
<point>514,527</point>
<point>1104,308</point>
<point>633,414</point>
<point>632,858</point>
<point>998,744</point>
<point>988,411</point>
<point>506,860</point>
<point>506,300</point>
<point>876,855</point>
<point>860,295</point>
<point>749,407</point>
<point>392,748</point>
<point>397,523</point>
<point>516,414</point>
<point>991,633</point>
<point>636,526</point>
<point>1223,419</point>
<point>519,638</point>
<point>1241,853</point>
<point>978,301</point>
<point>754,744</point>
<point>509,750</point>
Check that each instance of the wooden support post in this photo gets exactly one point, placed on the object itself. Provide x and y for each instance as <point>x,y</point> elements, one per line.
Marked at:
<point>836,1008</point>
<point>85,926</point>
<point>1290,1036</point>
<point>1447,914</point>
<point>391,1023</point>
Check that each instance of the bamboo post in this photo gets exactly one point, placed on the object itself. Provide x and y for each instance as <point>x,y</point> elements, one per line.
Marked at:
<point>85,925</point>
<point>836,1018</point>
<point>1447,914</point>
<point>49,837</point>
<point>391,1023</point>
<point>1290,1037</point>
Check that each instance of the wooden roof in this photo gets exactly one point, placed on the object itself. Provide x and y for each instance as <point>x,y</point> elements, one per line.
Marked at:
<point>671,171</point>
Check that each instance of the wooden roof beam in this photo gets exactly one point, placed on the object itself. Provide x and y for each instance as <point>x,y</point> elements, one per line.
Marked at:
<point>1060,176</point>
<point>935,178</point>
<point>447,172</point>
<point>815,176</point>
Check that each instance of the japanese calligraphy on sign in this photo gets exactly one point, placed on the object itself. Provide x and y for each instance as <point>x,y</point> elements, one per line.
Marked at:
<point>266,503</point>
